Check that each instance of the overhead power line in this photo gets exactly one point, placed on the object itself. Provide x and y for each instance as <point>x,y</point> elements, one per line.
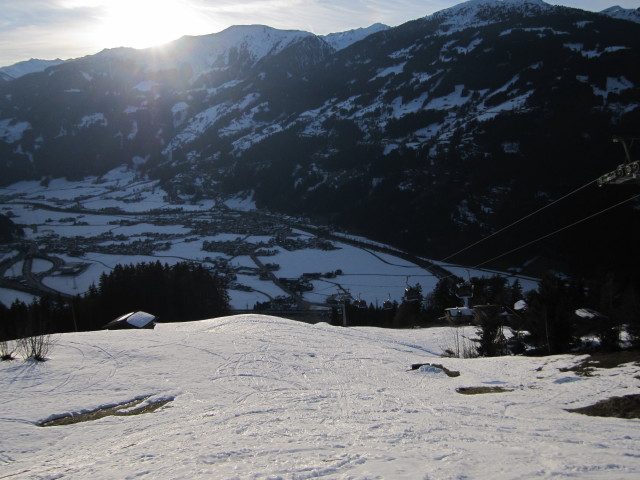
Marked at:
<point>558,231</point>
<point>630,175</point>
<point>519,221</point>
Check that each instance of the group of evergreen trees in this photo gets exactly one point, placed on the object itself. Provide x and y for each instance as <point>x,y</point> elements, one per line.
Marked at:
<point>560,316</point>
<point>568,315</point>
<point>408,314</point>
<point>181,292</point>
<point>370,316</point>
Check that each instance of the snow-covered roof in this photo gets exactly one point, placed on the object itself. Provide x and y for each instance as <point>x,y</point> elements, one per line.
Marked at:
<point>520,305</point>
<point>132,320</point>
<point>588,313</point>
<point>465,311</point>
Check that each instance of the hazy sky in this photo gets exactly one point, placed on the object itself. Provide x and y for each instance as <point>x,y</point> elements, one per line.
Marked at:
<point>51,29</point>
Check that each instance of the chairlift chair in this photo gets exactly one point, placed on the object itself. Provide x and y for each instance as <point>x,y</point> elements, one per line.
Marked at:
<point>387,304</point>
<point>628,172</point>
<point>359,303</point>
<point>412,293</point>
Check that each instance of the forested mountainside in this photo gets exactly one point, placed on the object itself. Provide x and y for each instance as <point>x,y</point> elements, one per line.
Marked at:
<point>429,136</point>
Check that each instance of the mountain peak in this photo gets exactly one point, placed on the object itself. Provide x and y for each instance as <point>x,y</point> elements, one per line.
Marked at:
<point>257,41</point>
<point>475,5</point>
<point>242,32</point>
<point>631,14</point>
<point>477,13</point>
<point>342,40</point>
<point>216,50</point>
<point>498,3</point>
<point>33,65</point>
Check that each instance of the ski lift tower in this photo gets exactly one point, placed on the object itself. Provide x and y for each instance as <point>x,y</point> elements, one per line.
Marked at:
<point>342,298</point>
<point>627,172</point>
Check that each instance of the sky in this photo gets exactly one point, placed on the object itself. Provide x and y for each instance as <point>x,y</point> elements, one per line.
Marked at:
<point>49,29</point>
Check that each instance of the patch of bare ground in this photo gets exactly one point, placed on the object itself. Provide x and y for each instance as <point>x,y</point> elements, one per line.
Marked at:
<point>589,365</point>
<point>480,390</point>
<point>120,410</point>
<point>627,406</point>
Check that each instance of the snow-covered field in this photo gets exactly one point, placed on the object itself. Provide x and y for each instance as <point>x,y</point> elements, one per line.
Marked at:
<point>257,397</point>
<point>63,216</point>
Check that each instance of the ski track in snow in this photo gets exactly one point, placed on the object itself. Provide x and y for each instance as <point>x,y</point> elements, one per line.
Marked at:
<point>265,398</point>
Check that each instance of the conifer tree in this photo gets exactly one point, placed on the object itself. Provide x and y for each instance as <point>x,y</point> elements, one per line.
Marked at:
<point>549,316</point>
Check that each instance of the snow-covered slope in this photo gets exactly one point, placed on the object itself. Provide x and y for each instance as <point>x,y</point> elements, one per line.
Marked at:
<point>478,13</point>
<point>264,398</point>
<point>344,39</point>
<point>631,14</point>
<point>29,66</point>
<point>242,43</point>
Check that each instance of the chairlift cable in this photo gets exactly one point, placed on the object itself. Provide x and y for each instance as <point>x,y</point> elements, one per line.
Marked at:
<point>597,180</point>
<point>558,231</point>
<point>518,221</point>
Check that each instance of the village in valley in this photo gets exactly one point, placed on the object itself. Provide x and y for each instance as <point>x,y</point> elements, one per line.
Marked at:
<point>73,232</point>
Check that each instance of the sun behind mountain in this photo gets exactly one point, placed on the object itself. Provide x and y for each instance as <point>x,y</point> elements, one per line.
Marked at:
<point>145,23</point>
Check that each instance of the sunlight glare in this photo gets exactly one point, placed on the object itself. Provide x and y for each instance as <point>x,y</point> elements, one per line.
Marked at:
<point>145,23</point>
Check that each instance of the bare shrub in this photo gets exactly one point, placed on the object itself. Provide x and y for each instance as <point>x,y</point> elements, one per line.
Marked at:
<point>7,349</point>
<point>459,345</point>
<point>36,340</point>
<point>36,347</point>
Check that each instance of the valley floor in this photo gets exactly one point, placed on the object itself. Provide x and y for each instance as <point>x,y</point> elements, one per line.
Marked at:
<point>76,231</point>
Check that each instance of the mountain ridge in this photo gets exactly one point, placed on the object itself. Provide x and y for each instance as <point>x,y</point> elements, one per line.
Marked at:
<point>338,40</point>
<point>233,36</point>
<point>631,14</point>
<point>428,120</point>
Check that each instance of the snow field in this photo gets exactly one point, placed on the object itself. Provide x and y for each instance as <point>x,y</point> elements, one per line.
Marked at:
<point>266,398</point>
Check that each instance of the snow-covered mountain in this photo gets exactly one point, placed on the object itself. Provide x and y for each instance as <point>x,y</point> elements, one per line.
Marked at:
<point>479,13</point>
<point>34,65</point>
<point>424,135</point>
<point>202,53</point>
<point>631,14</point>
<point>344,39</point>
<point>245,44</point>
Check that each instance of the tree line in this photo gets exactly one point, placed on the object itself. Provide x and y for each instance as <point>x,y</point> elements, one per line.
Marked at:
<point>561,316</point>
<point>564,316</point>
<point>177,293</point>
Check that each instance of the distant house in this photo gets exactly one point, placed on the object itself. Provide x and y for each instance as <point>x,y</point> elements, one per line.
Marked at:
<point>459,315</point>
<point>72,268</point>
<point>132,320</point>
<point>465,315</point>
